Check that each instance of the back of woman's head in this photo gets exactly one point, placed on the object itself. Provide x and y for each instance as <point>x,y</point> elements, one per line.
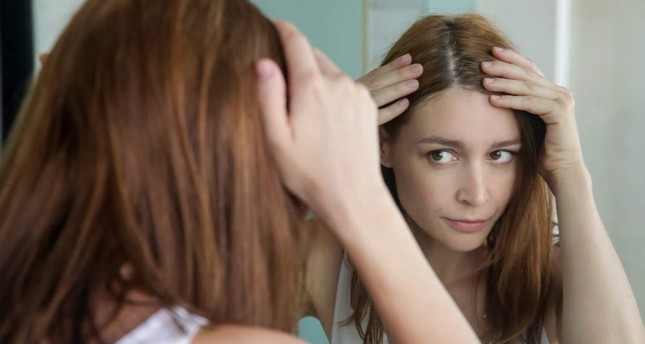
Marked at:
<point>141,146</point>
<point>451,50</point>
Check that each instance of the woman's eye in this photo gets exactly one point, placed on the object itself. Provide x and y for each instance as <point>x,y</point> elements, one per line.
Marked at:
<point>441,156</point>
<point>501,156</point>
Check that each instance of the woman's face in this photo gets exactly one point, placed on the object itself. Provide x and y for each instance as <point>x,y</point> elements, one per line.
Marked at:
<point>454,166</point>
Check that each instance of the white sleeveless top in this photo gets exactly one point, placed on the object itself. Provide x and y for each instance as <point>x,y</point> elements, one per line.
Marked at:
<point>348,334</point>
<point>166,326</point>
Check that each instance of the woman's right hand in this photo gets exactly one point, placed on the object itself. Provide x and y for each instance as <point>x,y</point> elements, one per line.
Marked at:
<point>389,85</point>
<point>325,142</point>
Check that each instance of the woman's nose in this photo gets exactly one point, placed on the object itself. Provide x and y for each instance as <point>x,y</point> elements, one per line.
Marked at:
<point>473,189</point>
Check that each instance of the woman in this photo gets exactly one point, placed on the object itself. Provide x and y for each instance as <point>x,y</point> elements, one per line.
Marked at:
<point>471,160</point>
<point>142,192</point>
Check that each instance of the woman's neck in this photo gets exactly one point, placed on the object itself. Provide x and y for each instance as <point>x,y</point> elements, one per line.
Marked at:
<point>450,266</point>
<point>462,275</point>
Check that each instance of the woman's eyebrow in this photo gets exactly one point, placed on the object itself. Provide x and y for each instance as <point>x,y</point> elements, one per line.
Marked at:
<point>442,141</point>
<point>460,145</point>
<point>506,143</point>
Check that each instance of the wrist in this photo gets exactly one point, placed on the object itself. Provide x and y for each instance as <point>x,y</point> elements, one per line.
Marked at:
<point>350,215</point>
<point>574,177</point>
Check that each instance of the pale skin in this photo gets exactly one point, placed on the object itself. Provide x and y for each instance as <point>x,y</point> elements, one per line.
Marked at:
<point>462,172</point>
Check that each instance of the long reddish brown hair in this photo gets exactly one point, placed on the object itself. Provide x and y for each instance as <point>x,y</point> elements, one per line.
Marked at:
<point>519,267</point>
<point>141,144</point>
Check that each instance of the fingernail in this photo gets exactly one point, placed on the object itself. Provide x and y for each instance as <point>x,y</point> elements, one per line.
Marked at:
<point>407,58</point>
<point>487,63</point>
<point>498,49</point>
<point>489,80</point>
<point>414,84</point>
<point>264,69</point>
<point>496,97</point>
<point>416,68</point>
<point>403,102</point>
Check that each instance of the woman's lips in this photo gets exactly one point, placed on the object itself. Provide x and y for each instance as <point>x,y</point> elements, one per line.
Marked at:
<point>466,226</point>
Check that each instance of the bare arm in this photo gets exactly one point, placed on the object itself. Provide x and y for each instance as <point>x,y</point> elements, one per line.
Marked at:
<point>326,148</point>
<point>599,305</point>
<point>388,86</point>
<point>598,302</point>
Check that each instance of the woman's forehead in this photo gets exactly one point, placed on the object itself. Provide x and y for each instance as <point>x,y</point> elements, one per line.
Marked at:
<point>461,114</point>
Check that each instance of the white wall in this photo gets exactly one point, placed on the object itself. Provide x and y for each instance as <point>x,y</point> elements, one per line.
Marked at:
<point>388,19</point>
<point>50,18</point>
<point>607,77</point>
<point>529,24</point>
<point>386,22</point>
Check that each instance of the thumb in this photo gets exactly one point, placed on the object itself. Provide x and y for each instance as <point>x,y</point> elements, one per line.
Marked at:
<point>273,100</point>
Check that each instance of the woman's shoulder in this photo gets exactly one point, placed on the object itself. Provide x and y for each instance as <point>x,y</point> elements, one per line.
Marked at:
<point>229,333</point>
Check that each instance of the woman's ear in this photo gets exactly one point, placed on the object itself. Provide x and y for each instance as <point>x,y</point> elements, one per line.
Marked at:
<point>385,147</point>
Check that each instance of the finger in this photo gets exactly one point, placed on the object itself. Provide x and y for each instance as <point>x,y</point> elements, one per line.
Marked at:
<point>379,78</point>
<point>386,95</point>
<point>535,105</point>
<point>325,64</point>
<point>520,88</point>
<point>273,103</point>
<point>514,57</point>
<point>399,62</point>
<point>512,71</point>
<point>392,111</point>
<point>298,53</point>
<point>43,57</point>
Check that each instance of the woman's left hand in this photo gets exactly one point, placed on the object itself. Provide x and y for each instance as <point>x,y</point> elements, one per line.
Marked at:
<point>524,87</point>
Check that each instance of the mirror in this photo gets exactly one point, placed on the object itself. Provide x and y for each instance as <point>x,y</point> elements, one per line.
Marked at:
<point>594,47</point>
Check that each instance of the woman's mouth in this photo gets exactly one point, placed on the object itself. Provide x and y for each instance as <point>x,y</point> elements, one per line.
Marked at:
<point>466,226</point>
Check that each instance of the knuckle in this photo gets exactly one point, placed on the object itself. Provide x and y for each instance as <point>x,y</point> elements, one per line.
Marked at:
<point>532,74</point>
<point>527,72</point>
<point>293,37</point>
<point>308,78</point>
<point>344,80</point>
<point>567,96</point>
<point>309,83</point>
<point>367,79</point>
<point>532,63</point>
<point>375,79</point>
<point>341,83</point>
<point>363,91</point>
<point>403,73</point>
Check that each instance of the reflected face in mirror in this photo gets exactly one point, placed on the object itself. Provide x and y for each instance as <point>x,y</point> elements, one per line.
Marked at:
<point>454,166</point>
